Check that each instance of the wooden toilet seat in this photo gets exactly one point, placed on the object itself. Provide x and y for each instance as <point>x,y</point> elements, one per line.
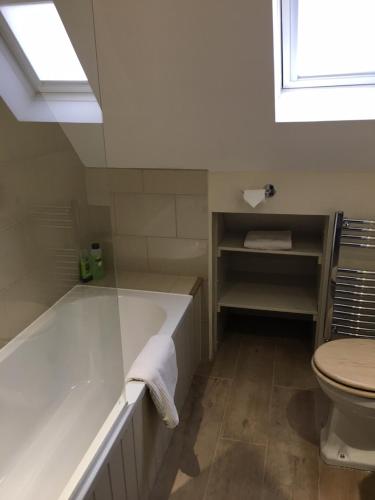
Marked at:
<point>348,364</point>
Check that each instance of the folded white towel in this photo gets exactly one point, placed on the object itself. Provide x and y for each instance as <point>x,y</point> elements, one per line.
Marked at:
<point>156,366</point>
<point>269,240</point>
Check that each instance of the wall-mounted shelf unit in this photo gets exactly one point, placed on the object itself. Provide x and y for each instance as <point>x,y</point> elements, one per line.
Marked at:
<point>281,282</point>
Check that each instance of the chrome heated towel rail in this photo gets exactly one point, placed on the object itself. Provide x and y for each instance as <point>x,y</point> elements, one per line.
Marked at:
<point>351,296</point>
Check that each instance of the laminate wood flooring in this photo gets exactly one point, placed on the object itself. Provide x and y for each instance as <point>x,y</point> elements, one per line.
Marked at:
<point>250,427</point>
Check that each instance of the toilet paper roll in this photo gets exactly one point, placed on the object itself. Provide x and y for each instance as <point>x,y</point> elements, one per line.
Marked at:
<point>254,196</point>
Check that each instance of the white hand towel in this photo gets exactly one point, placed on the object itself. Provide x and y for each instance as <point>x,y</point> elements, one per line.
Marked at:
<point>156,366</point>
<point>269,240</point>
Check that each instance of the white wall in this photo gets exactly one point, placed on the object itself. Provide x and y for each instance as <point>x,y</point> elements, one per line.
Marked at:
<point>190,85</point>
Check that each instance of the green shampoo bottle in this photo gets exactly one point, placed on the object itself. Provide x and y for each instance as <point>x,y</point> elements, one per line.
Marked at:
<point>97,265</point>
<point>85,273</point>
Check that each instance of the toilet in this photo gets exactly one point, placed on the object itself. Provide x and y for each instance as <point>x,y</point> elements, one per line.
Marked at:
<point>345,370</point>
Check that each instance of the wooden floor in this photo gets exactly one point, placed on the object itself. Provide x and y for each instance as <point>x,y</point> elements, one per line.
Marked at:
<point>248,429</point>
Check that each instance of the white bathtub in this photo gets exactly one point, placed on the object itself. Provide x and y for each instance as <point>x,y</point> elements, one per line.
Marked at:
<point>62,395</point>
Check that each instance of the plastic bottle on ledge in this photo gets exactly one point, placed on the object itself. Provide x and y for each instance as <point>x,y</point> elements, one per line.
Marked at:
<point>85,273</point>
<point>97,265</point>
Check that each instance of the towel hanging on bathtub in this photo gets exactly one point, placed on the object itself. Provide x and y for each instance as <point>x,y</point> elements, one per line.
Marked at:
<point>156,366</point>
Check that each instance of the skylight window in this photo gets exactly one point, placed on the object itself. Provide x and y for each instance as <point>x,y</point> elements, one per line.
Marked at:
<point>40,33</point>
<point>324,60</point>
<point>328,42</point>
<point>335,37</point>
<point>42,79</point>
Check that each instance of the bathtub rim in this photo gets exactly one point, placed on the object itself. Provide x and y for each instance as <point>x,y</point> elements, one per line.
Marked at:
<point>22,336</point>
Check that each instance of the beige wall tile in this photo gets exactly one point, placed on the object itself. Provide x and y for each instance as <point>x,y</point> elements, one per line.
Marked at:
<point>25,140</point>
<point>175,181</point>
<point>97,186</point>
<point>13,255</point>
<point>156,282</point>
<point>146,281</point>
<point>18,184</point>
<point>23,304</point>
<point>3,343</point>
<point>13,239</point>
<point>125,180</point>
<point>5,327</point>
<point>40,178</point>
<point>60,179</point>
<point>56,237</point>
<point>145,214</point>
<point>13,268</point>
<point>192,217</point>
<point>99,220</point>
<point>178,256</point>
<point>184,285</point>
<point>131,253</point>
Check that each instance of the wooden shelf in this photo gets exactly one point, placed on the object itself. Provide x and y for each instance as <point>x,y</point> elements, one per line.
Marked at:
<point>296,299</point>
<point>302,245</point>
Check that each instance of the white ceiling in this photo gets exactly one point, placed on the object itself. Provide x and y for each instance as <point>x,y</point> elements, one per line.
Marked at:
<point>190,85</point>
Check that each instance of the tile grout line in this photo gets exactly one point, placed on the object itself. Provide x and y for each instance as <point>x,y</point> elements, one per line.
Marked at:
<point>269,420</point>
<point>214,377</point>
<point>216,446</point>
<point>159,237</point>
<point>148,254</point>
<point>231,383</point>
<point>296,388</point>
<point>222,424</point>
<point>175,215</point>
<point>234,440</point>
<point>319,469</point>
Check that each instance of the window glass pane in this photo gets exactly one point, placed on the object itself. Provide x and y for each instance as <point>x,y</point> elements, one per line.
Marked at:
<point>41,34</point>
<point>335,37</point>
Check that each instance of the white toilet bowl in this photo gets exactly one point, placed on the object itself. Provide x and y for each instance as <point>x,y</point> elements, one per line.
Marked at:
<point>345,370</point>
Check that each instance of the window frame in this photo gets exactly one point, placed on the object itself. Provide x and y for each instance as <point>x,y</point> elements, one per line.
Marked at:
<point>44,88</point>
<point>289,47</point>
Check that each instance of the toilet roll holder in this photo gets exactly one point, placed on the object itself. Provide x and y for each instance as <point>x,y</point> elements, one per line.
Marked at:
<point>255,196</point>
<point>269,190</point>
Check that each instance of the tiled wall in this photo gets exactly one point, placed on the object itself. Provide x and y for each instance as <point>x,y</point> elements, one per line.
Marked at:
<point>159,219</point>
<point>42,211</point>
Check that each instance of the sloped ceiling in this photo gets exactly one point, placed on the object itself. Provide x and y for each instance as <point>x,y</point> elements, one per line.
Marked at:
<point>190,85</point>
<point>78,18</point>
